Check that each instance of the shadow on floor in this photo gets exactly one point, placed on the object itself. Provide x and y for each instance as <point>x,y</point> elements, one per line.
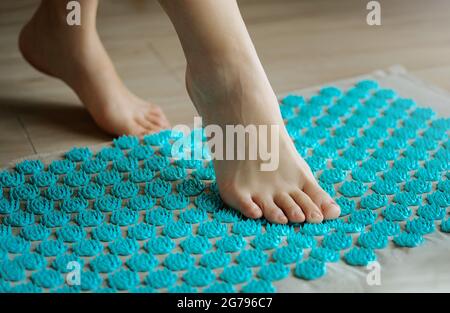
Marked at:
<point>47,116</point>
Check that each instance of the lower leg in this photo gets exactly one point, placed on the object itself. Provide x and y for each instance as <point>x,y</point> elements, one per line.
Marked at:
<point>76,55</point>
<point>228,85</point>
<point>215,42</point>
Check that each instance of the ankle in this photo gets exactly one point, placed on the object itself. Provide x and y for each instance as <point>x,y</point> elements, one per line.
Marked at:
<point>215,60</point>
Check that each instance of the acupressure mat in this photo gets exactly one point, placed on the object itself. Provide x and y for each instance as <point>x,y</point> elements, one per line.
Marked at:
<point>135,218</point>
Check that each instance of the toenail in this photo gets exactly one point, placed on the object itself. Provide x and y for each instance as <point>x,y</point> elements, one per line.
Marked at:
<point>255,213</point>
<point>316,215</point>
<point>282,218</point>
<point>297,214</point>
<point>334,206</point>
<point>331,204</point>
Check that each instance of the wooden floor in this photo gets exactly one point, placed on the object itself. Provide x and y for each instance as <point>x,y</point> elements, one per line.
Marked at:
<point>301,43</point>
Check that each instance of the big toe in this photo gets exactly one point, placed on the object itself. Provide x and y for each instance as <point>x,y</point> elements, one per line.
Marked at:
<point>156,120</point>
<point>148,125</point>
<point>158,116</point>
<point>330,208</point>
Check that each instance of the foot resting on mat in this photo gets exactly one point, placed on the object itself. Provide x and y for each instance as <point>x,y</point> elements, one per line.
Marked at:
<point>242,95</point>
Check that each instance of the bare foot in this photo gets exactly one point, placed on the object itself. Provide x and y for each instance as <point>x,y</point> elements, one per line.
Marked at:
<point>76,55</point>
<point>236,91</point>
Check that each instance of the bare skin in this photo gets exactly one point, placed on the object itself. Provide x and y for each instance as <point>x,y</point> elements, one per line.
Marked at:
<point>76,55</point>
<point>228,86</point>
<point>224,79</point>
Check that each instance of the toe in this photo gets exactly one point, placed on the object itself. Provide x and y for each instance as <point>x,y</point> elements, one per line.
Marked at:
<point>158,115</point>
<point>133,128</point>
<point>329,208</point>
<point>290,208</point>
<point>157,110</point>
<point>309,208</point>
<point>154,119</point>
<point>147,124</point>
<point>242,202</point>
<point>158,120</point>
<point>270,210</point>
<point>249,208</point>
